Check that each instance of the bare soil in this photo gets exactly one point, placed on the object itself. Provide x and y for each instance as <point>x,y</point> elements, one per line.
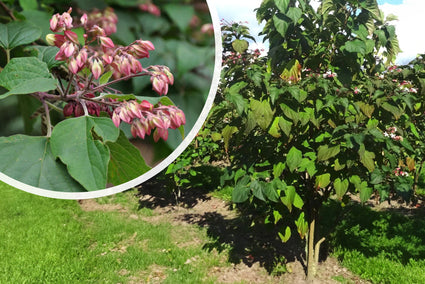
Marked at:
<point>252,251</point>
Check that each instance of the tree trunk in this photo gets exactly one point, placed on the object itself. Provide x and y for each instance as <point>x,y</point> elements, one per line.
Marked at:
<point>313,248</point>
<point>311,264</point>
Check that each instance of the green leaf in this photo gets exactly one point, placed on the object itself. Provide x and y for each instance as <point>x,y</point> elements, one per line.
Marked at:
<point>289,197</point>
<point>28,4</point>
<point>297,93</point>
<point>126,162</point>
<point>281,24</point>
<point>285,126</point>
<point>366,108</point>
<point>298,201</point>
<point>241,191</point>
<point>414,131</point>
<point>365,192</point>
<point>105,77</point>
<point>240,45</point>
<point>180,14</point>
<point>325,153</point>
<point>262,112</point>
<point>356,46</point>
<point>46,54</point>
<point>341,187</point>
<point>367,158</point>
<point>282,5</point>
<point>278,169</point>
<point>16,33</point>
<point>322,181</point>
<point>270,192</point>
<point>26,75</point>
<point>394,110</point>
<point>80,145</point>
<point>233,95</point>
<point>29,159</point>
<point>257,190</point>
<point>302,225</point>
<point>227,133</point>
<point>294,158</point>
<point>294,14</point>
<point>275,129</point>
<point>285,237</point>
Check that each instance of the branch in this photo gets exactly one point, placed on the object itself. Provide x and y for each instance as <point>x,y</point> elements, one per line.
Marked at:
<point>8,11</point>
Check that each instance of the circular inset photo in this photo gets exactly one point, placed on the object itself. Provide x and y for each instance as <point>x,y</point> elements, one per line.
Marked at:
<point>96,97</point>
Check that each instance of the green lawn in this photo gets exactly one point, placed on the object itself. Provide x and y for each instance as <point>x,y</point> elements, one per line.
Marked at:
<point>380,246</point>
<point>53,241</point>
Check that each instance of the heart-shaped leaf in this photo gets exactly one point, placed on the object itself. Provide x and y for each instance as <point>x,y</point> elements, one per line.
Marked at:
<point>25,75</point>
<point>80,144</point>
<point>126,162</point>
<point>29,159</point>
<point>16,33</point>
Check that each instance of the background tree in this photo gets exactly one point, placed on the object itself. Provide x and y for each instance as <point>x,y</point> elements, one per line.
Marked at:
<point>326,115</point>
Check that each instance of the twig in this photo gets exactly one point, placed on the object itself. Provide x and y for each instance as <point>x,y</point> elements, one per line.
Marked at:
<point>8,11</point>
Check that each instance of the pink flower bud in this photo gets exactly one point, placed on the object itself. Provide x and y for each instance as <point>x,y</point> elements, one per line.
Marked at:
<point>82,58</point>
<point>71,36</point>
<point>50,39</point>
<point>68,110</point>
<point>97,68</point>
<point>150,8</point>
<point>159,86</point>
<point>68,49</point>
<point>160,133</point>
<point>134,108</point>
<point>83,19</point>
<point>207,29</point>
<point>106,42</point>
<point>73,66</point>
<point>147,106</point>
<point>67,19</point>
<point>54,23</point>
<point>78,111</point>
<point>136,66</point>
<point>126,115</point>
<point>115,117</point>
<point>137,129</point>
<point>107,58</point>
<point>56,40</point>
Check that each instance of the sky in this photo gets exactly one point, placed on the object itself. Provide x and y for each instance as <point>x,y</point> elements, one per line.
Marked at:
<point>409,26</point>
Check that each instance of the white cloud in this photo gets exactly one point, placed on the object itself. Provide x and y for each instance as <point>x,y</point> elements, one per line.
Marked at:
<point>240,11</point>
<point>408,27</point>
<point>410,23</point>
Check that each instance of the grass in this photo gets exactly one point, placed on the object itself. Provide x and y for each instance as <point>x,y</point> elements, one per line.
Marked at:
<point>53,241</point>
<point>382,247</point>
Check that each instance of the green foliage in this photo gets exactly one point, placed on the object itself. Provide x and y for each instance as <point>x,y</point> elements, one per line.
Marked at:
<point>87,153</point>
<point>382,247</point>
<point>323,116</point>
<point>26,75</point>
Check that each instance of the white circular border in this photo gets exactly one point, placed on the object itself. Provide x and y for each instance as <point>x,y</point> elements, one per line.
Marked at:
<point>158,168</point>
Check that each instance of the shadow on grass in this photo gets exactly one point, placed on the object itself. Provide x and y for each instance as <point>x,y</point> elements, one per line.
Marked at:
<point>235,233</point>
<point>161,191</point>
<point>398,234</point>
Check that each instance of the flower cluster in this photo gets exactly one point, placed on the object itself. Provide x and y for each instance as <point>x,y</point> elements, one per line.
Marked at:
<point>106,56</point>
<point>329,74</point>
<point>150,8</point>
<point>407,87</point>
<point>391,133</point>
<point>76,108</point>
<point>96,53</point>
<point>144,117</point>
<point>399,172</point>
